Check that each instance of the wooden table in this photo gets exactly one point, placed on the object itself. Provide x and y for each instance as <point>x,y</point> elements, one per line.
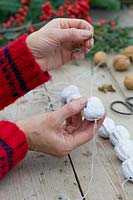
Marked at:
<point>42,177</point>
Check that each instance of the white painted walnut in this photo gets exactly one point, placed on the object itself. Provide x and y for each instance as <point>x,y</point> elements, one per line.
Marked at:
<point>128,81</point>
<point>124,150</point>
<point>107,127</point>
<point>94,109</point>
<point>119,134</point>
<point>100,58</point>
<point>127,169</point>
<point>70,93</point>
<point>121,63</point>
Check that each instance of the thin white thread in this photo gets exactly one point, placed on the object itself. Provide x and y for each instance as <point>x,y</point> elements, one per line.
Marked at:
<point>92,163</point>
<point>94,149</point>
<point>123,184</point>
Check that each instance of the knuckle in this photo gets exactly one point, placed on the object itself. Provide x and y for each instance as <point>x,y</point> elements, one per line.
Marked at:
<point>51,117</point>
<point>71,109</point>
<point>73,32</point>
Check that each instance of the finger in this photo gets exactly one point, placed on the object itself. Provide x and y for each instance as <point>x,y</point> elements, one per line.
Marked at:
<point>72,108</point>
<point>89,43</point>
<point>78,55</point>
<point>86,50</point>
<point>73,35</point>
<point>85,134</point>
<point>73,123</point>
<point>76,23</point>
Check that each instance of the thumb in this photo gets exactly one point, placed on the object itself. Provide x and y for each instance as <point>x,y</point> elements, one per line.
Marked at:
<point>73,34</point>
<point>70,109</point>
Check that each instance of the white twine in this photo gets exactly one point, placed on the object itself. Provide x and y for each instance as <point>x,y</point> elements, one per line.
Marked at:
<point>123,184</point>
<point>92,163</point>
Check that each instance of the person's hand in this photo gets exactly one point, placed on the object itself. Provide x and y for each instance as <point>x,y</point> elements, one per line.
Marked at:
<point>55,44</point>
<point>58,133</point>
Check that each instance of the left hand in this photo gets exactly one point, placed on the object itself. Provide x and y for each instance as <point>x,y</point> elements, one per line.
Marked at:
<point>58,133</point>
<point>53,45</point>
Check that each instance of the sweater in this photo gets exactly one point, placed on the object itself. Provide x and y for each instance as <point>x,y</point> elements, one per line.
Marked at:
<point>19,73</point>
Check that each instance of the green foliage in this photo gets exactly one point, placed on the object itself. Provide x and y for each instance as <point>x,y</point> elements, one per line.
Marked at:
<point>110,39</point>
<point>10,7</point>
<point>107,4</point>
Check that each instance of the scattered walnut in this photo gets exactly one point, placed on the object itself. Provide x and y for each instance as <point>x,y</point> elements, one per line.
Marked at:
<point>128,51</point>
<point>121,63</point>
<point>101,58</point>
<point>105,88</point>
<point>128,81</point>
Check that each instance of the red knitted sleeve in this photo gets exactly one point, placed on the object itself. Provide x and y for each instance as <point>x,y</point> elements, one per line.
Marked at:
<point>13,146</point>
<point>19,72</point>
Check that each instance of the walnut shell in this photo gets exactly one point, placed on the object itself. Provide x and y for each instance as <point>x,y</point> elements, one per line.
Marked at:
<point>100,58</point>
<point>128,81</point>
<point>121,63</point>
<point>128,51</point>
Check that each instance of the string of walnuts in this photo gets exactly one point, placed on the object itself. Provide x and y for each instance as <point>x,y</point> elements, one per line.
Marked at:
<point>120,62</point>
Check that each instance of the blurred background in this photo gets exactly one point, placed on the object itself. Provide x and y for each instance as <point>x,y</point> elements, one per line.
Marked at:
<point>112,19</point>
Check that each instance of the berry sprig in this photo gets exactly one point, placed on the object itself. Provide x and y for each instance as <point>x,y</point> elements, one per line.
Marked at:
<point>112,24</point>
<point>71,9</point>
<point>20,16</point>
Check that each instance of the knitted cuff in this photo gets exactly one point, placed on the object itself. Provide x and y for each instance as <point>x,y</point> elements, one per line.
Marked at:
<point>19,71</point>
<point>13,146</point>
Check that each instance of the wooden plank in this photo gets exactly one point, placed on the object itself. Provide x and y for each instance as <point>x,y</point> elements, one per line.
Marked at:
<point>108,175</point>
<point>39,176</point>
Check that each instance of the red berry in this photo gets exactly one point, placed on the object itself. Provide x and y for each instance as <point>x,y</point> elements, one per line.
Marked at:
<point>24,2</point>
<point>21,10</point>
<point>31,29</point>
<point>4,25</point>
<point>113,24</point>
<point>102,22</point>
<point>24,13</point>
<point>19,23</point>
<point>12,19</point>
<point>9,23</point>
<point>26,8</point>
<point>17,16</point>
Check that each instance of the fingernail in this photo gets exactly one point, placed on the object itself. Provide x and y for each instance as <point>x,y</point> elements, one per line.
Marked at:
<point>86,33</point>
<point>87,51</point>
<point>92,42</point>
<point>83,101</point>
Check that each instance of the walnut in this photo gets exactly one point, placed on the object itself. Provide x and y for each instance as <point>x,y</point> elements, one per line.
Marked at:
<point>100,58</point>
<point>118,134</point>
<point>121,63</point>
<point>106,128</point>
<point>70,93</point>
<point>124,149</point>
<point>128,81</point>
<point>127,169</point>
<point>94,109</point>
<point>128,51</point>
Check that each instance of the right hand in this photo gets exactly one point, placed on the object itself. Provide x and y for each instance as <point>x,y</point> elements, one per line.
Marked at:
<point>52,46</point>
<point>58,133</point>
